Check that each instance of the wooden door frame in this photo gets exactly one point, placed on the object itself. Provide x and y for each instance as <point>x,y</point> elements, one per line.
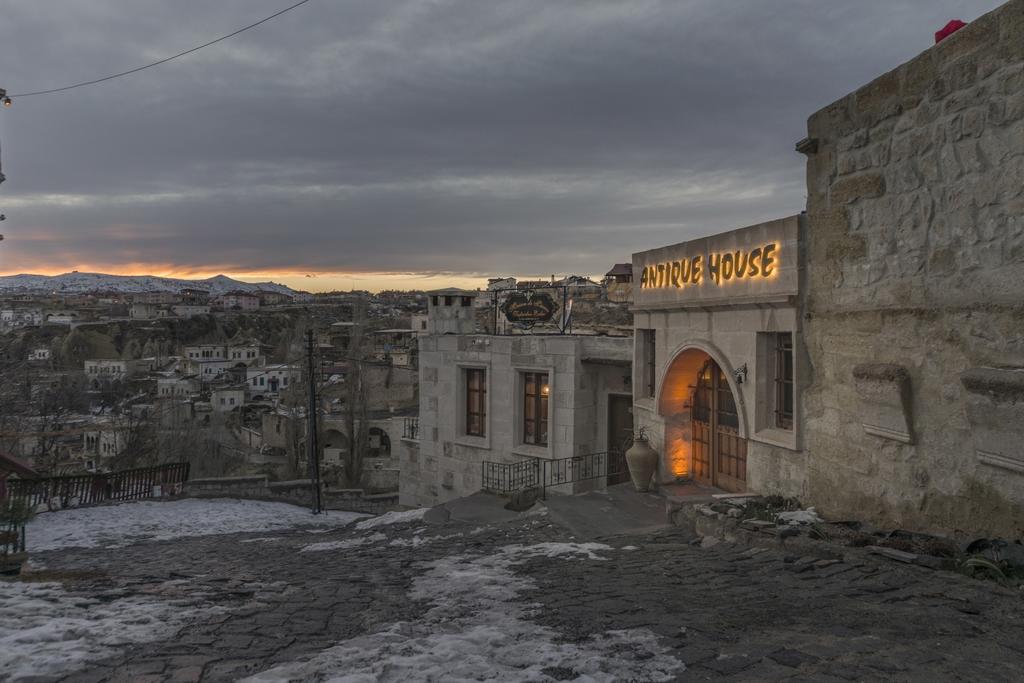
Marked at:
<point>708,425</point>
<point>714,476</point>
<point>617,444</point>
<point>617,447</point>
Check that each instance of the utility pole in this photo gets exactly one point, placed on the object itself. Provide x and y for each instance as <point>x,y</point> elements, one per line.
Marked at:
<point>311,429</point>
<point>7,102</point>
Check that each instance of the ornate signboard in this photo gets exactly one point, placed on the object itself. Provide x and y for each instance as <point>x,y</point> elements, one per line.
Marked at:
<point>529,308</point>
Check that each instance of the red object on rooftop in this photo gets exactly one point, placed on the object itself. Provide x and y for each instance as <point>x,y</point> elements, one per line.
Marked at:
<point>948,30</point>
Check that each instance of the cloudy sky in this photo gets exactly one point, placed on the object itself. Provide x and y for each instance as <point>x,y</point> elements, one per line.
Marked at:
<point>376,143</point>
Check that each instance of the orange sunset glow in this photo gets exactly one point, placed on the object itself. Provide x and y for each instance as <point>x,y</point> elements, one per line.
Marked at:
<point>304,280</point>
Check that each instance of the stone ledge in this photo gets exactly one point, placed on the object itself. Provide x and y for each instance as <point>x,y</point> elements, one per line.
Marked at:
<point>229,481</point>
<point>285,485</point>
<point>813,553</point>
<point>881,372</point>
<point>1005,384</point>
<point>885,402</point>
<point>995,411</point>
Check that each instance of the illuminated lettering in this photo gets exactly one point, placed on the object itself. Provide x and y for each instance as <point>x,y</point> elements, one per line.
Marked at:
<point>714,264</point>
<point>720,267</point>
<point>727,266</point>
<point>755,255</point>
<point>741,264</point>
<point>767,261</point>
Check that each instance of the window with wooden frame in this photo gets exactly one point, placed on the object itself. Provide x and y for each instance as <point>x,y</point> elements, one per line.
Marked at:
<point>476,402</point>
<point>783,380</point>
<point>648,339</point>
<point>535,408</point>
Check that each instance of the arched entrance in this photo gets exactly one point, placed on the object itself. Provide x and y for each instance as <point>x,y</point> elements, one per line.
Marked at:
<point>719,452</point>
<point>704,426</point>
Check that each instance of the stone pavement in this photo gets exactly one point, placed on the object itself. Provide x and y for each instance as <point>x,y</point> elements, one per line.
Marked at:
<point>618,510</point>
<point>726,612</point>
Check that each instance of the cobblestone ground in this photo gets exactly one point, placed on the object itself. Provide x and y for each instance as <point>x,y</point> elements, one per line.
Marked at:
<point>726,612</point>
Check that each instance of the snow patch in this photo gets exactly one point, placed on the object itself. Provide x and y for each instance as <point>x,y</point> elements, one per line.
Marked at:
<point>347,543</point>
<point>262,539</point>
<point>476,629</point>
<point>117,526</point>
<point>101,282</point>
<point>393,518</point>
<point>589,550</point>
<point>417,540</point>
<point>47,632</point>
<point>808,516</point>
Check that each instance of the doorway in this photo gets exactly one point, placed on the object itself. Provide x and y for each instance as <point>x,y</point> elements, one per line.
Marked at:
<point>719,453</point>
<point>620,436</point>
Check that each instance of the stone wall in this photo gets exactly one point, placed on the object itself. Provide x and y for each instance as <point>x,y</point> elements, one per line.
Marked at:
<point>383,480</point>
<point>227,487</point>
<point>295,492</point>
<point>915,256</point>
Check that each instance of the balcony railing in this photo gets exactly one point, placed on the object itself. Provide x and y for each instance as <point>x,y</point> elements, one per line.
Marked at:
<point>507,478</point>
<point>411,429</point>
<point>503,478</point>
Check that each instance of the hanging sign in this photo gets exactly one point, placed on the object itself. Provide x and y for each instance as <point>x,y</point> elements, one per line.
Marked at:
<point>529,309</point>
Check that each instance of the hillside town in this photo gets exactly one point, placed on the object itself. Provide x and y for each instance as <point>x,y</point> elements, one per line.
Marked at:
<point>776,450</point>
<point>99,381</point>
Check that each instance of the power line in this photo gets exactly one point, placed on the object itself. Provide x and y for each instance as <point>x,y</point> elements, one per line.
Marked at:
<point>162,61</point>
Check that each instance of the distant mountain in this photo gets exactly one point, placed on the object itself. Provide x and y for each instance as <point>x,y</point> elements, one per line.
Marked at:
<point>78,283</point>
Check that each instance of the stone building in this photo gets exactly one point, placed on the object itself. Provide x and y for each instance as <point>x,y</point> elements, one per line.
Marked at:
<point>174,386</point>
<point>238,300</point>
<point>914,322</point>
<point>271,379</point>
<point>618,283</point>
<point>190,310</point>
<point>878,371</point>
<point>227,398</point>
<point>507,399</point>
<point>107,368</point>
<point>715,383</point>
<point>140,310</point>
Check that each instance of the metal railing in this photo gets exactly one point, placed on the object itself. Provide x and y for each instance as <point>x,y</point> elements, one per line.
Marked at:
<point>88,489</point>
<point>507,478</point>
<point>504,478</point>
<point>12,539</point>
<point>605,464</point>
<point>411,428</point>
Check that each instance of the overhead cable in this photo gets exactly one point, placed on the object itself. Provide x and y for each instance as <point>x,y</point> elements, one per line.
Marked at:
<point>161,61</point>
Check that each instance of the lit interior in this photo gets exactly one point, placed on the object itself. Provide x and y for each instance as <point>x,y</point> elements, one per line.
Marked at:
<point>674,406</point>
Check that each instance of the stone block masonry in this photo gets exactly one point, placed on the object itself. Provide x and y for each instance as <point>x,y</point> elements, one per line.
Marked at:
<point>915,258</point>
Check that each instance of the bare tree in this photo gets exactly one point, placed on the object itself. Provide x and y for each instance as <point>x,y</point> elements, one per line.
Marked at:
<point>134,437</point>
<point>355,410</point>
<point>50,407</point>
